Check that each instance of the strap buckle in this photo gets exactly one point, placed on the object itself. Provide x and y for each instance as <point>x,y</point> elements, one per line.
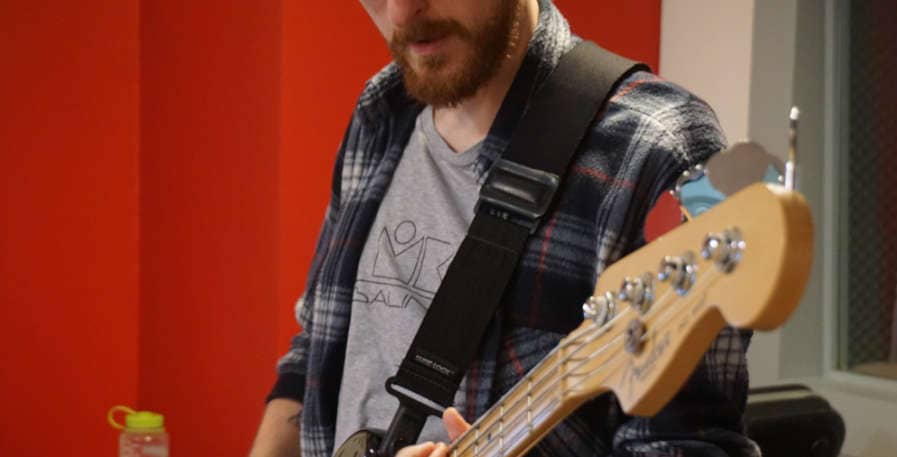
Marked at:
<point>409,397</point>
<point>517,193</point>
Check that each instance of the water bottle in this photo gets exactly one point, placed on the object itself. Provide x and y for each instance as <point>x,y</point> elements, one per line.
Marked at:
<point>143,434</point>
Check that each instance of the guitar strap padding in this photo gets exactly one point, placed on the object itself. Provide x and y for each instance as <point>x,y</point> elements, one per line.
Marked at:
<point>518,192</point>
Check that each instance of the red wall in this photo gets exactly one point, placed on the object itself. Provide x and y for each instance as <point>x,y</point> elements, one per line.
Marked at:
<point>68,164</point>
<point>210,98</point>
<point>329,50</point>
<point>630,28</point>
<point>209,129</point>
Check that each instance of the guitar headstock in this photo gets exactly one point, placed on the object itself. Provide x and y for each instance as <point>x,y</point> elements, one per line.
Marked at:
<point>743,263</point>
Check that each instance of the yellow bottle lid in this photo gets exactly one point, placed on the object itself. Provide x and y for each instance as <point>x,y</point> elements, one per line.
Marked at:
<point>142,420</point>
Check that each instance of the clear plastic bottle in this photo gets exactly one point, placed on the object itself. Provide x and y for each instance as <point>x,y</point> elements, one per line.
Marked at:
<point>143,434</point>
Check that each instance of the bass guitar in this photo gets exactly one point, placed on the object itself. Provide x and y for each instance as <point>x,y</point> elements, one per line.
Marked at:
<point>653,314</point>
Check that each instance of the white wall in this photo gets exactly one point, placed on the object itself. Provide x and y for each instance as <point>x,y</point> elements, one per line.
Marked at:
<point>705,46</point>
<point>751,60</point>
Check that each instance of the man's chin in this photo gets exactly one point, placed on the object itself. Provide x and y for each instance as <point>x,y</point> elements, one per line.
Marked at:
<point>430,77</point>
<point>435,87</point>
<point>443,81</point>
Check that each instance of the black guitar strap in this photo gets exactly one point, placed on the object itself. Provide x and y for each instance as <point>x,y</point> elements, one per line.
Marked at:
<point>518,192</point>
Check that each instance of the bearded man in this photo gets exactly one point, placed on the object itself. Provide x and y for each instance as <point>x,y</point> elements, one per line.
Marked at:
<point>423,137</point>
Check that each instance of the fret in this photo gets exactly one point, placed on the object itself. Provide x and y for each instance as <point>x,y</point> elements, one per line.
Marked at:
<point>529,402</point>
<point>476,441</point>
<point>516,416</point>
<point>562,376</point>
<point>501,429</point>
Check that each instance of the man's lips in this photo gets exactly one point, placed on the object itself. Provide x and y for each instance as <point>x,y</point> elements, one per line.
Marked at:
<point>428,46</point>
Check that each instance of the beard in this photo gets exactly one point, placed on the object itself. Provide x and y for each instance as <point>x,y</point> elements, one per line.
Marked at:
<point>433,80</point>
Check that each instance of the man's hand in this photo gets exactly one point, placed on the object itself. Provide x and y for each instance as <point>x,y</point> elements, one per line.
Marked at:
<point>278,434</point>
<point>454,425</point>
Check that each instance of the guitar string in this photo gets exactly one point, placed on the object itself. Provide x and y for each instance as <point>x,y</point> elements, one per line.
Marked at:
<point>583,377</point>
<point>659,321</point>
<point>536,382</point>
<point>551,401</point>
<point>548,369</point>
<point>569,341</point>
<point>546,374</point>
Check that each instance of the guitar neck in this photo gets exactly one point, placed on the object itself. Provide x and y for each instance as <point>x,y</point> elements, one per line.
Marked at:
<point>535,405</point>
<point>749,274</point>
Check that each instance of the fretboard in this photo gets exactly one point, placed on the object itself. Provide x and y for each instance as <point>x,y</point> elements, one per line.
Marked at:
<point>541,400</point>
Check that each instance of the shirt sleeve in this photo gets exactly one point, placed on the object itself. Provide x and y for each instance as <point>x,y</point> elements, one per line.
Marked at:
<point>292,366</point>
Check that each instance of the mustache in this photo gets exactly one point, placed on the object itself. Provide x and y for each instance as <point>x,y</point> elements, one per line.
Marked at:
<point>426,31</point>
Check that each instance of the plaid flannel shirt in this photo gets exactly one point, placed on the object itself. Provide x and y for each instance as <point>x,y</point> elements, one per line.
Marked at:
<point>648,133</point>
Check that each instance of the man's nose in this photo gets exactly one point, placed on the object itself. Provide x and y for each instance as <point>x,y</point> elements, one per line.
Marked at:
<point>404,12</point>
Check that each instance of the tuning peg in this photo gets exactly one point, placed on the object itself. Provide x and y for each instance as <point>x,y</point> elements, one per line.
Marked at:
<point>638,292</point>
<point>680,271</point>
<point>725,248</point>
<point>600,309</point>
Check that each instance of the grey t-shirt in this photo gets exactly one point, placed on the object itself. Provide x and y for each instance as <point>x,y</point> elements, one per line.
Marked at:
<point>422,220</point>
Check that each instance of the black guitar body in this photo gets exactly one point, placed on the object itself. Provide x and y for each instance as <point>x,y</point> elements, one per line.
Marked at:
<point>363,443</point>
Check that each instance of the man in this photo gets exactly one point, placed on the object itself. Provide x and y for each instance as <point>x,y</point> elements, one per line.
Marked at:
<point>424,135</point>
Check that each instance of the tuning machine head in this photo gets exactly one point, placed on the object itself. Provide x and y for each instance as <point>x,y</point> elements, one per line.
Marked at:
<point>680,271</point>
<point>725,248</point>
<point>600,309</point>
<point>638,292</point>
<point>744,163</point>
